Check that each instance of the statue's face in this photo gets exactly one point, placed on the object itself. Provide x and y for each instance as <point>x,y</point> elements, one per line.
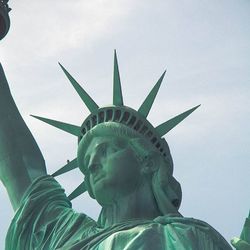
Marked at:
<point>113,169</point>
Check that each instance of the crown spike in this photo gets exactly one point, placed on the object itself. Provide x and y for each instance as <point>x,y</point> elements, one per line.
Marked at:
<point>117,90</point>
<point>148,102</point>
<point>78,191</point>
<point>89,102</point>
<point>66,168</point>
<point>165,127</point>
<point>69,128</point>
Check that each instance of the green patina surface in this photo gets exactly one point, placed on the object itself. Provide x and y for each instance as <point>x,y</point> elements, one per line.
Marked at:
<point>127,168</point>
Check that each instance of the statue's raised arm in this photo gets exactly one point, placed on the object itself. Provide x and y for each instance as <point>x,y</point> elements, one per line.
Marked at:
<point>20,158</point>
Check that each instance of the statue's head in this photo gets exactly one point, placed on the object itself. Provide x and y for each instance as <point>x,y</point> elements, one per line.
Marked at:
<point>116,159</point>
<point>119,148</point>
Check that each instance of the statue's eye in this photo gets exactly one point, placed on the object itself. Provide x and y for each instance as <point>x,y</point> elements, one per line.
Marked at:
<point>112,149</point>
<point>107,149</point>
<point>103,150</point>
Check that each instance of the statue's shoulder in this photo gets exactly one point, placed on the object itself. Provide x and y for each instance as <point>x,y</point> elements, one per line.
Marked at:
<point>197,229</point>
<point>169,232</point>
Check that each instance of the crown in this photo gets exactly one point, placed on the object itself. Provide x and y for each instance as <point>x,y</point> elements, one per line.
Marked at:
<point>119,113</point>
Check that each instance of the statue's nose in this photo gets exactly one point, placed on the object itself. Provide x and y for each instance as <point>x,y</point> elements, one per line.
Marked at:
<point>94,163</point>
<point>94,167</point>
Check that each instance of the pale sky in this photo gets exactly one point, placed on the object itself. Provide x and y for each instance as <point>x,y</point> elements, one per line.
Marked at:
<point>205,48</point>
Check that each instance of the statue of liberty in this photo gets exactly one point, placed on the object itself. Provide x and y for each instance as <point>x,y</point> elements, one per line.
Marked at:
<point>127,167</point>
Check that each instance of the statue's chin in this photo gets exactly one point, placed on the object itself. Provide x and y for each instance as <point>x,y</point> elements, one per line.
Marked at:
<point>103,192</point>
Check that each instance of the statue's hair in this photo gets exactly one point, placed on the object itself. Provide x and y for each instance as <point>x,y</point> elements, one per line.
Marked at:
<point>164,188</point>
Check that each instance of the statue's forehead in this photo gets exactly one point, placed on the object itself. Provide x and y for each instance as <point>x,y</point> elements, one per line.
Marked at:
<point>111,140</point>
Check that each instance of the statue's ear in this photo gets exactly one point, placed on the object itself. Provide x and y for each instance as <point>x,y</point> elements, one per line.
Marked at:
<point>150,164</point>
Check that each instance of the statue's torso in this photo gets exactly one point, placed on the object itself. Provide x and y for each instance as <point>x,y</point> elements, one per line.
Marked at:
<point>46,221</point>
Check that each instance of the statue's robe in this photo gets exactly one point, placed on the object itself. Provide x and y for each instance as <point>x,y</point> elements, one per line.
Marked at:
<point>45,220</point>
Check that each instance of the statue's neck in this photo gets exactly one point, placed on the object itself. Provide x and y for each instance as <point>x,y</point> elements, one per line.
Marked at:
<point>138,205</point>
